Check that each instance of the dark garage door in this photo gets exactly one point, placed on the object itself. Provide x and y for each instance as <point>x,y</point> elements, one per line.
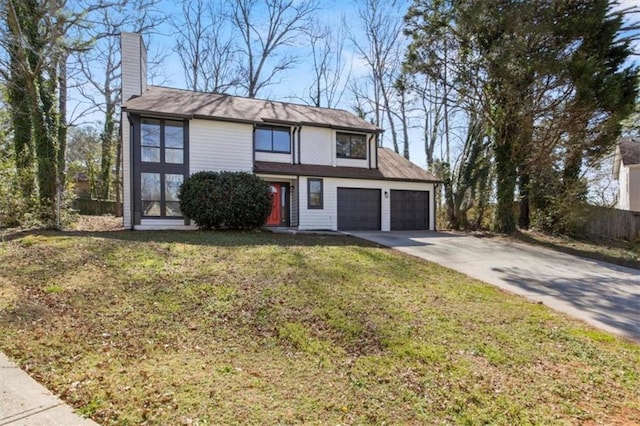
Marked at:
<point>358,209</point>
<point>409,210</point>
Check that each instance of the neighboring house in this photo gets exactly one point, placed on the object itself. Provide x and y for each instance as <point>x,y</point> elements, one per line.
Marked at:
<point>82,187</point>
<point>626,169</point>
<point>323,165</point>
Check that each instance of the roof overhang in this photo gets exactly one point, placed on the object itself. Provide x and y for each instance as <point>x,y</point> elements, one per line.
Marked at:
<point>321,171</point>
<point>150,113</point>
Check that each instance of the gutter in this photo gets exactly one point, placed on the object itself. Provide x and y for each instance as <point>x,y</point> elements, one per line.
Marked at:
<point>435,206</point>
<point>294,151</point>
<point>293,146</point>
<point>154,114</point>
<point>131,145</point>
<point>377,137</point>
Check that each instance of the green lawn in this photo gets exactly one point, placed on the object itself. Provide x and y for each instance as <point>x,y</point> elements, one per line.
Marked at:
<point>257,328</point>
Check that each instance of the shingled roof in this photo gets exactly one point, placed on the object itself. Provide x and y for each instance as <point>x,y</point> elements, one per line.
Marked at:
<point>391,166</point>
<point>627,154</point>
<point>630,150</point>
<point>189,104</point>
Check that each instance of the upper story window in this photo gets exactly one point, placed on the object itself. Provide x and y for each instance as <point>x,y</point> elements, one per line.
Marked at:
<point>273,139</point>
<point>351,146</point>
<point>162,141</point>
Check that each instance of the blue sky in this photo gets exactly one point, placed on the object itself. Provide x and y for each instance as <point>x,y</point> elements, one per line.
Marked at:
<point>295,81</point>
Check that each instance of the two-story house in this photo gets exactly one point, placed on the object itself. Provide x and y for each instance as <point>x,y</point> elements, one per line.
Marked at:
<point>324,166</point>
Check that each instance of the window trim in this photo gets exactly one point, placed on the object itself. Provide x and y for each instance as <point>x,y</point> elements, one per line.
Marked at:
<point>161,167</point>
<point>309,205</point>
<point>350,135</point>
<point>162,141</point>
<point>272,128</point>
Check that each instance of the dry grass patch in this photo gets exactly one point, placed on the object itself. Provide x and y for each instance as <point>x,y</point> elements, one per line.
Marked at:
<point>255,328</point>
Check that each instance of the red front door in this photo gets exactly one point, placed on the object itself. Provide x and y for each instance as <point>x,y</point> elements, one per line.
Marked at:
<point>275,218</point>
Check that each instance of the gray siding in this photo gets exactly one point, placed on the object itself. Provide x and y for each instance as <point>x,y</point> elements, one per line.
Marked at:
<point>218,145</point>
<point>134,65</point>
<point>316,146</point>
<point>126,171</point>
<point>327,218</point>
<point>633,187</point>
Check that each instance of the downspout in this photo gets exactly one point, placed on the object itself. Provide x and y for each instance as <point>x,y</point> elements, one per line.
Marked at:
<point>293,146</point>
<point>296,140</point>
<point>299,144</point>
<point>435,206</point>
<point>132,145</point>
<point>369,150</point>
<point>253,144</point>
<point>298,198</point>
<point>377,134</point>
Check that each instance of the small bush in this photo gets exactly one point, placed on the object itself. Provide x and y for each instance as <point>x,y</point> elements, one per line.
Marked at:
<point>561,218</point>
<point>229,200</point>
<point>15,209</point>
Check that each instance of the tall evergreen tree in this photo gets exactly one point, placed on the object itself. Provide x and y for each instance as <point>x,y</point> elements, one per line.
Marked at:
<point>550,79</point>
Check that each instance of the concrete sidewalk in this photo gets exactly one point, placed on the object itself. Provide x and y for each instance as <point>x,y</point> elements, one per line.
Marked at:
<point>25,402</point>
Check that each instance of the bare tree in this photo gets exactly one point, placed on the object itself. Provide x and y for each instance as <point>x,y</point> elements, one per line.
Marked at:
<point>205,47</point>
<point>192,45</point>
<point>220,68</point>
<point>285,21</point>
<point>101,84</point>
<point>329,77</point>
<point>381,51</point>
<point>83,155</point>
<point>402,90</point>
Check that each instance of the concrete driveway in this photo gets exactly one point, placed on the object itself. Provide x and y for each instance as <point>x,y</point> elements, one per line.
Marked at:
<point>604,295</point>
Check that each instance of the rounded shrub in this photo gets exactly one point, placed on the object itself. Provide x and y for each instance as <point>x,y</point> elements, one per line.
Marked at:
<point>225,200</point>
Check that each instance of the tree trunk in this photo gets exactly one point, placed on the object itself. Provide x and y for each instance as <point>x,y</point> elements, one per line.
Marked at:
<point>523,218</point>
<point>22,138</point>
<point>452,217</point>
<point>62,123</point>
<point>387,108</point>
<point>572,166</point>
<point>47,161</point>
<point>106,161</point>
<point>117,184</point>
<point>504,220</point>
<point>405,124</point>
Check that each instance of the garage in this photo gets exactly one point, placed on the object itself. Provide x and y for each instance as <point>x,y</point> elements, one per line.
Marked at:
<point>358,209</point>
<point>409,210</point>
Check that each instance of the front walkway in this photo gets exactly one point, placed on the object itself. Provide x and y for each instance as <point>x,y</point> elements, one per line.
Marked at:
<point>604,295</point>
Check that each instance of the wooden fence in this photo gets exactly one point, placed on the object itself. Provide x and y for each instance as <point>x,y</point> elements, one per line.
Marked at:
<point>613,223</point>
<point>90,207</point>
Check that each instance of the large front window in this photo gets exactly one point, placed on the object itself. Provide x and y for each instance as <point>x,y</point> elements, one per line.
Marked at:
<point>162,167</point>
<point>159,194</point>
<point>351,146</point>
<point>273,139</point>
